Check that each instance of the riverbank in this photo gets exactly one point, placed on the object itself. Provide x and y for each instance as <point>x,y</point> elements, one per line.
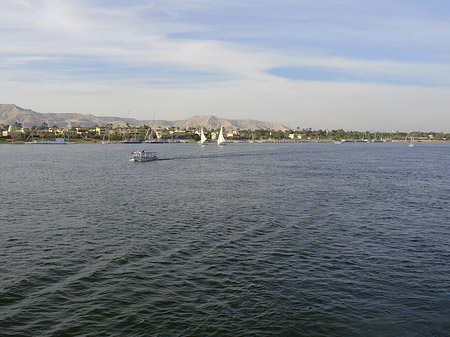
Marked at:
<point>10,142</point>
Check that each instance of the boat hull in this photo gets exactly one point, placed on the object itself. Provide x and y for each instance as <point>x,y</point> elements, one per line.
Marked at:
<point>143,156</point>
<point>143,159</point>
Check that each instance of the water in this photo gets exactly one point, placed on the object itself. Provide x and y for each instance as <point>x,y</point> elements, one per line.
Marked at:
<point>247,239</point>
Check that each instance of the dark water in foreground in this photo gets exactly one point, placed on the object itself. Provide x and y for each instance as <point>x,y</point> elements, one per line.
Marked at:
<point>248,239</point>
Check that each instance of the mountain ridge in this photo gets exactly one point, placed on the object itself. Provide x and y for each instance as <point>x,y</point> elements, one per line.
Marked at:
<point>11,113</point>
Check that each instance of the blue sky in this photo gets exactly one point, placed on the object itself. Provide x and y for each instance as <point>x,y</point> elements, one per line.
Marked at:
<point>378,65</point>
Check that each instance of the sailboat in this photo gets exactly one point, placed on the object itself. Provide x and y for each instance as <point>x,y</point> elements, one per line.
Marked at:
<point>202,138</point>
<point>104,138</point>
<point>253,138</point>
<point>131,141</point>
<point>151,140</point>
<point>221,140</point>
<point>411,143</point>
<point>147,137</point>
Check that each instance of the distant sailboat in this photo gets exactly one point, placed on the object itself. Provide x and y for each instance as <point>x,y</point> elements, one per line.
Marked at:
<point>152,140</point>
<point>253,138</point>
<point>131,141</point>
<point>154,137</point>
<point>202,138</point>
<point>104,138</point>
<point>147,137</point>
<point>411,143</point>
<point>220,140</point>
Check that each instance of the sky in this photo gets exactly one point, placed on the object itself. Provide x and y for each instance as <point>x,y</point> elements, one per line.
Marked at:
<point>378,65</point>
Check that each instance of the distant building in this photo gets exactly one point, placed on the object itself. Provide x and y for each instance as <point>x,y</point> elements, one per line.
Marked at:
<point>70,133</point>
<point>113,133</point>
<point>12,132</point>
<point>101,131</point>
<point>82,131</point>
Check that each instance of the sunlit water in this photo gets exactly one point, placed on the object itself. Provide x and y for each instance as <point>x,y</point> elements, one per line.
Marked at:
<point>245,239</point>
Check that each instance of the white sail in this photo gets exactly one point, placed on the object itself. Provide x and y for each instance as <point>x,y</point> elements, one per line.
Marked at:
<point>202,138</point>
<point>253,138</point>
<point>148,135</point>
<point>220,140</point>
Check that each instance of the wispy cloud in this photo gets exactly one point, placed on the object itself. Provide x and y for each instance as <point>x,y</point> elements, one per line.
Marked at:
<point>223,49</point>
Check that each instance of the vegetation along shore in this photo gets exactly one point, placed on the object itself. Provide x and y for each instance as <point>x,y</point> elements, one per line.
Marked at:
<point>18,133</point>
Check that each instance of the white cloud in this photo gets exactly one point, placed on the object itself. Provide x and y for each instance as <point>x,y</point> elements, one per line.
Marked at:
<point>47,31</point>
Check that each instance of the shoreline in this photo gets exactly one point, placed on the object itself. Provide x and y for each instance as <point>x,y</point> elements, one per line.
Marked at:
<point>9,142</point>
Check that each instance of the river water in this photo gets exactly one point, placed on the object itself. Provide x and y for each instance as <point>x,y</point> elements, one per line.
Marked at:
<point>240,240</point>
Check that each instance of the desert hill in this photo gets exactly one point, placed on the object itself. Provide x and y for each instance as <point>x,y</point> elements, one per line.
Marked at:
<point>11,113</point>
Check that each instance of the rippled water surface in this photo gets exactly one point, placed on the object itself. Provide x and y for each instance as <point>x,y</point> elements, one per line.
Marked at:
<point>246,239</point>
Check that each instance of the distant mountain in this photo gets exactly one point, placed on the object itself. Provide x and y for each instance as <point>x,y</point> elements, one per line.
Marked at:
<point>11,113</point>
<point>217,122</point>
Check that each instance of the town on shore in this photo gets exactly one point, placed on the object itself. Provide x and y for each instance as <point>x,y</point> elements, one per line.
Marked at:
<point>18,133</point>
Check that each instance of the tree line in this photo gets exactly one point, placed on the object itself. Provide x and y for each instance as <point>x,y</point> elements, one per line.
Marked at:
<point>118,133</point>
